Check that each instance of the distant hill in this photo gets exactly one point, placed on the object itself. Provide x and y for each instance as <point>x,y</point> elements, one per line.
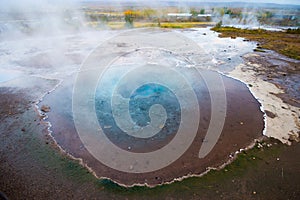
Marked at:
<point>164,3</point>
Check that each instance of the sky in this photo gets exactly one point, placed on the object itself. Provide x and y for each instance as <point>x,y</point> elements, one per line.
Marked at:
<point>38,4</point>
<point>295,2</point>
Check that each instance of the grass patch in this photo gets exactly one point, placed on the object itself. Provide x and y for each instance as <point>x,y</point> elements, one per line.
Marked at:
<point>116,25</point>
<point>182,25</point>
<point>286,43</point>
<point>175,25</point>
<point>245,162</point>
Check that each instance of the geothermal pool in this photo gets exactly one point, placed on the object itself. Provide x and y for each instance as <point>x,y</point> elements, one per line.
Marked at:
<point>137,62</point>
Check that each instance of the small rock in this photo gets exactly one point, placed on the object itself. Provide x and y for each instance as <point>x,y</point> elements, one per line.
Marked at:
<point>259,49</point>
<point>254,192</point>
<point>294,137</point>
<point>270,114</point>
<point>269,145</point>
<point>277,159</point>
<point>45,108</point>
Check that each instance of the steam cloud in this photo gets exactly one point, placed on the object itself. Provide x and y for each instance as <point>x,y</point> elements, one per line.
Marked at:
<point>30,17</point>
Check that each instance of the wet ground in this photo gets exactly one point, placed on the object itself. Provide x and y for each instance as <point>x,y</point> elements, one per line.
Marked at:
<point>38,169</point>
<point>281,71</point>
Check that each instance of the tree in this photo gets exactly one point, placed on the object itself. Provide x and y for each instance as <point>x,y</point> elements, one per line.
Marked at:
<point>129,18</point>
<point>218,25</point>
<point>194,12</point>
<point>228,11</point>
<point>264,17</point>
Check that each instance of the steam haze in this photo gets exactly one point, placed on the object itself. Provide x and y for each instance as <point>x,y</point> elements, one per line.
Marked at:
<point>31,17</point>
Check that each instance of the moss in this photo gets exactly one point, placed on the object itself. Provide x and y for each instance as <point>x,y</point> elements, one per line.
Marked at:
<point>182,25</point>
<point>286,43</point>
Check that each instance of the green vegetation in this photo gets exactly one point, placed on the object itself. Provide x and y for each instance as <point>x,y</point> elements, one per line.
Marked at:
<point>223,11</point>
<point>218,25</point>
<point>129,15</point>
<point>286,43</point>
<point>182,25</point>
<point>195,11</point>
<point>293,31</point>
<point>265,17</point>
<point>175,25</point>
<point>246,163</point>
<point>216,180</point>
